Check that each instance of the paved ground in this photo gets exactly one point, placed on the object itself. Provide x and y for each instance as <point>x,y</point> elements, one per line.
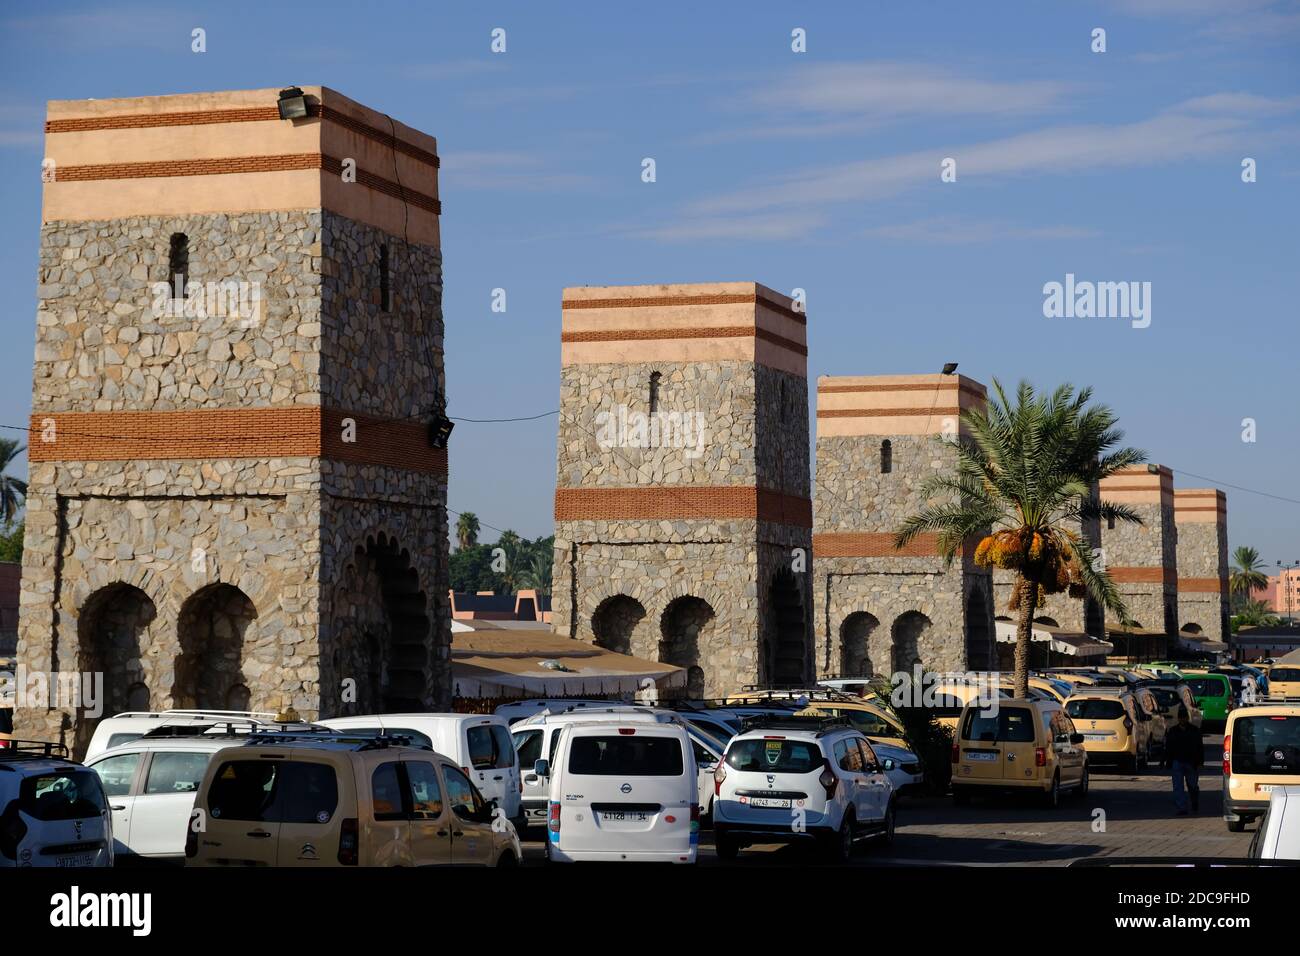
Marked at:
<point>1137,819</point>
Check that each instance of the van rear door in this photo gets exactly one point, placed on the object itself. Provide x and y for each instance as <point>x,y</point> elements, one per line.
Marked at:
<point>240,820</point>
<point>62,819</point>
<point>494,767</point>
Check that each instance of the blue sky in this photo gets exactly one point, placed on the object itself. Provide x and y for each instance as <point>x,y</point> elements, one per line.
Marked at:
<point>817,170</point>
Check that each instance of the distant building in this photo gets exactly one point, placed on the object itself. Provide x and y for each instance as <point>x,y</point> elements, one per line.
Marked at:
<point>1283,593</point>
<point>524,605</point>
<point>1256,643</point>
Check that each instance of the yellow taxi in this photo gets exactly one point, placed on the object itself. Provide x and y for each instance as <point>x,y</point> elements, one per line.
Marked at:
<point>1017,746</point>
<point>871,720</point>
<point>1116,727</point>
<point>1261,752</point>
<point>1284,680</point>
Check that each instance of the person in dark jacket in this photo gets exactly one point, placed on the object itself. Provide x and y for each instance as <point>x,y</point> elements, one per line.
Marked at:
<point>1184,756</point>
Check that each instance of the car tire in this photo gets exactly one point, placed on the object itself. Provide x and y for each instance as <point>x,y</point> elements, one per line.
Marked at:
<point>727,848</point>
<point>1082,790</point>
<point>891,819</point>
<point>507,861</point>
<point>1236,826</point>
<point>1052,798</point>
<point>839,845</point>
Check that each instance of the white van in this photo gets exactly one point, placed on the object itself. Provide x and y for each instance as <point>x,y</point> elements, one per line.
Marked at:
<point>536,738</point>
<point>517,710</point>
<point>1278,836</point>
<point>479,744</point>
<point>622,791</point>
<point>132,725</point>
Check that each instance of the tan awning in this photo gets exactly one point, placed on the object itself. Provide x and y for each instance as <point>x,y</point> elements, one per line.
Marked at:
<point>1062,641</point>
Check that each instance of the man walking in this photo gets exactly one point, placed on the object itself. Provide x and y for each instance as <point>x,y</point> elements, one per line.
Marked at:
<point>1184,755</point>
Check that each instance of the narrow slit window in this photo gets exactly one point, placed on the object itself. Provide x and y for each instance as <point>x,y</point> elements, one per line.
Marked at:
<point>654,392</point>
<point>178,264</point>
<point>886,457</point>
<point>385,292</point>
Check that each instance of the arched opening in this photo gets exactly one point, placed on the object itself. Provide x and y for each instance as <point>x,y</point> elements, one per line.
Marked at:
<point>908,631</point>
<point>1192,629</point>
<point>683,634</point>
<point>787,647</point>
<point>980,654</point>
<point>381,657</point>
<point>212,629</point>
<point>1046,621</point>
<point>886,457</point>
<point>855,646</point>
<point>615,621</point>
<point>112,636</point>
<point>695,682</point>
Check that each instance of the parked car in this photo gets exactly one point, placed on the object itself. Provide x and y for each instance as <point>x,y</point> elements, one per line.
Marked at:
<point>342,800</point>
<point>1212,693</point>
<point>801,779</point>
<point>1116,728</point>
<point>1284,681</point>
<point>1261,752</point>
<point>52,810</point>
<point>625,791</point>
<point>1278,836</point>
<point>1020,746</point>
<point>1170,695</point>
<point>132,725</point>
<point>479,744</point>
<point>517,710</point>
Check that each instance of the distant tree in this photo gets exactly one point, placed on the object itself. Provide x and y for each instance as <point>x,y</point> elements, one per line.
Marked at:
<point>13,491</point>
<point>11,543</point>
<point>1246,576</point>
<point>466,530</point>
<point>471,570</point>
<point>1254,614</point>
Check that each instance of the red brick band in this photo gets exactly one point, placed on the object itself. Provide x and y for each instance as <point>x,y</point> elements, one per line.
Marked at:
<point>1154,486</point>
<point>296,431</point>
<point>1202,585</point>
<point>650,302</point>
<point>242,164</point>
<point>883,412</point>
<point>721,332</point>
<point>695,502</point>
<point>248,114</point>
<point>1138,575</point>
<point>865,544</point>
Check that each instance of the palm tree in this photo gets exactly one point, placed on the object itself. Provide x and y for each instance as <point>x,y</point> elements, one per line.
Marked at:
<point>466,530</point>
<point>537,574</point>
<point>1255,614</point>
<point>1246,575</point>
<point>13,491</point>
<point>1023,485</point>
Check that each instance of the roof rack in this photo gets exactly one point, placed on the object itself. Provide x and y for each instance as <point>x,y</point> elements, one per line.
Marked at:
<point>793,693</point>
<point>358,742</point>
<point>821,725</point>
<point>236,727</point>
<point>32,749</point>
<point>195,712</point>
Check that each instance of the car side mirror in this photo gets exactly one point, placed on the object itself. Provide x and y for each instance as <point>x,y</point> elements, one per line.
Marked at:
<point>542,768</point>
<point>1076,738</point>
<point>888,765</point>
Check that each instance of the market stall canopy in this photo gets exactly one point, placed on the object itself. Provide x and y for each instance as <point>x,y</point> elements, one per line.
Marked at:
<point>1062,641</point>
<point>489,660</point>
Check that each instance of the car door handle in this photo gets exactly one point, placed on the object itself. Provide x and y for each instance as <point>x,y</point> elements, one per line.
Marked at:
<point>531,778</point>
<point>498,777</point>
<point>442,832</point>
<point>457,833</point>
<point>116,807</point>
<point>257,834</point>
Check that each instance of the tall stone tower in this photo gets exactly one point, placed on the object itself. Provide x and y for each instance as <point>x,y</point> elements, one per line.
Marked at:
<point>682,512</point>
<point>234,502</point>
<point>1201,519</point>
<point>885,609</point>
<point>1143,559</point>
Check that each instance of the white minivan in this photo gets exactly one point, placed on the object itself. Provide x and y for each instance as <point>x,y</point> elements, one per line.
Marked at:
<point>52,809</point>
<point>622,791</point>
<point>479,744</point>
<point>132,725</point>
<point>536,738</point>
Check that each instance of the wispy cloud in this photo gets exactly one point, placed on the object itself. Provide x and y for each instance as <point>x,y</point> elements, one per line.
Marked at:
<point>764,228</point>
<point>121,28</point>
<point>948,231</point>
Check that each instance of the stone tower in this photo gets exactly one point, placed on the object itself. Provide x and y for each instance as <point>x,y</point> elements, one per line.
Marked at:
<point>885,609</point>
<point>682,511</point>
<point>1201,519</point>
<point>234,502</point>
<point>1142,559</point>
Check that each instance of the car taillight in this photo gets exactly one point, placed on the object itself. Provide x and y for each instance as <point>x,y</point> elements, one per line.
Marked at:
<point>553,821</point>
<point>349,842</point>
<point>719,775</point>
<point>1227,755</point>
<point>1040,756</point>
<point>956,752</point>
<point>828,780</point>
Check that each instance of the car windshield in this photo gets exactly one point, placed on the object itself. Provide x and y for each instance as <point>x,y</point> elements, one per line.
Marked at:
<point>1207,686</point>
<point>62,795</point>
<point>1164,696</point>
<point>626,755</point>
<point>1009,725</point>
<point>1094,709</point>
<point>774,755</point>
<point>1266,745</point>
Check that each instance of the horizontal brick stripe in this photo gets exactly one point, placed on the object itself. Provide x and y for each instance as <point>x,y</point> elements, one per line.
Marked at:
<point>1203,585</point>
<point>652,302</point>
<point>697,502</point>
<point>905,387</point>
<point>883,412</point>
<point>722,332</point>
<point>296,431</point>
<point>249,114</point>
<point>242,164</point>
<point>1137,575</point>
<point>880,544</point>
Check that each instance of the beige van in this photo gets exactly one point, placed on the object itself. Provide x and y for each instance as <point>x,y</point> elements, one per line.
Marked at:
<point>1019,746</point>
<point>343,801</point>
<point>1261,753</point>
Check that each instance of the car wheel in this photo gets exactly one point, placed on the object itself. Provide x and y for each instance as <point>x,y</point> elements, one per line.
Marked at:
<point>727,848</point>
<point>1237,825</point>
<point>1083,783</point>
<point>960,795</point>
<point>507,861</point>
<point>891,818</point>
<point>1052,798</point>
<point>839,846</point>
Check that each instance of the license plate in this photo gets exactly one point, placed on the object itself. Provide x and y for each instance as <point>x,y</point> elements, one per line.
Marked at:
<point>624,816</point>
<point>1264,787</point>
<point>771,803</point>
<point>980,755</point>
<point>79,859</point>
<point>1096,736</point>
